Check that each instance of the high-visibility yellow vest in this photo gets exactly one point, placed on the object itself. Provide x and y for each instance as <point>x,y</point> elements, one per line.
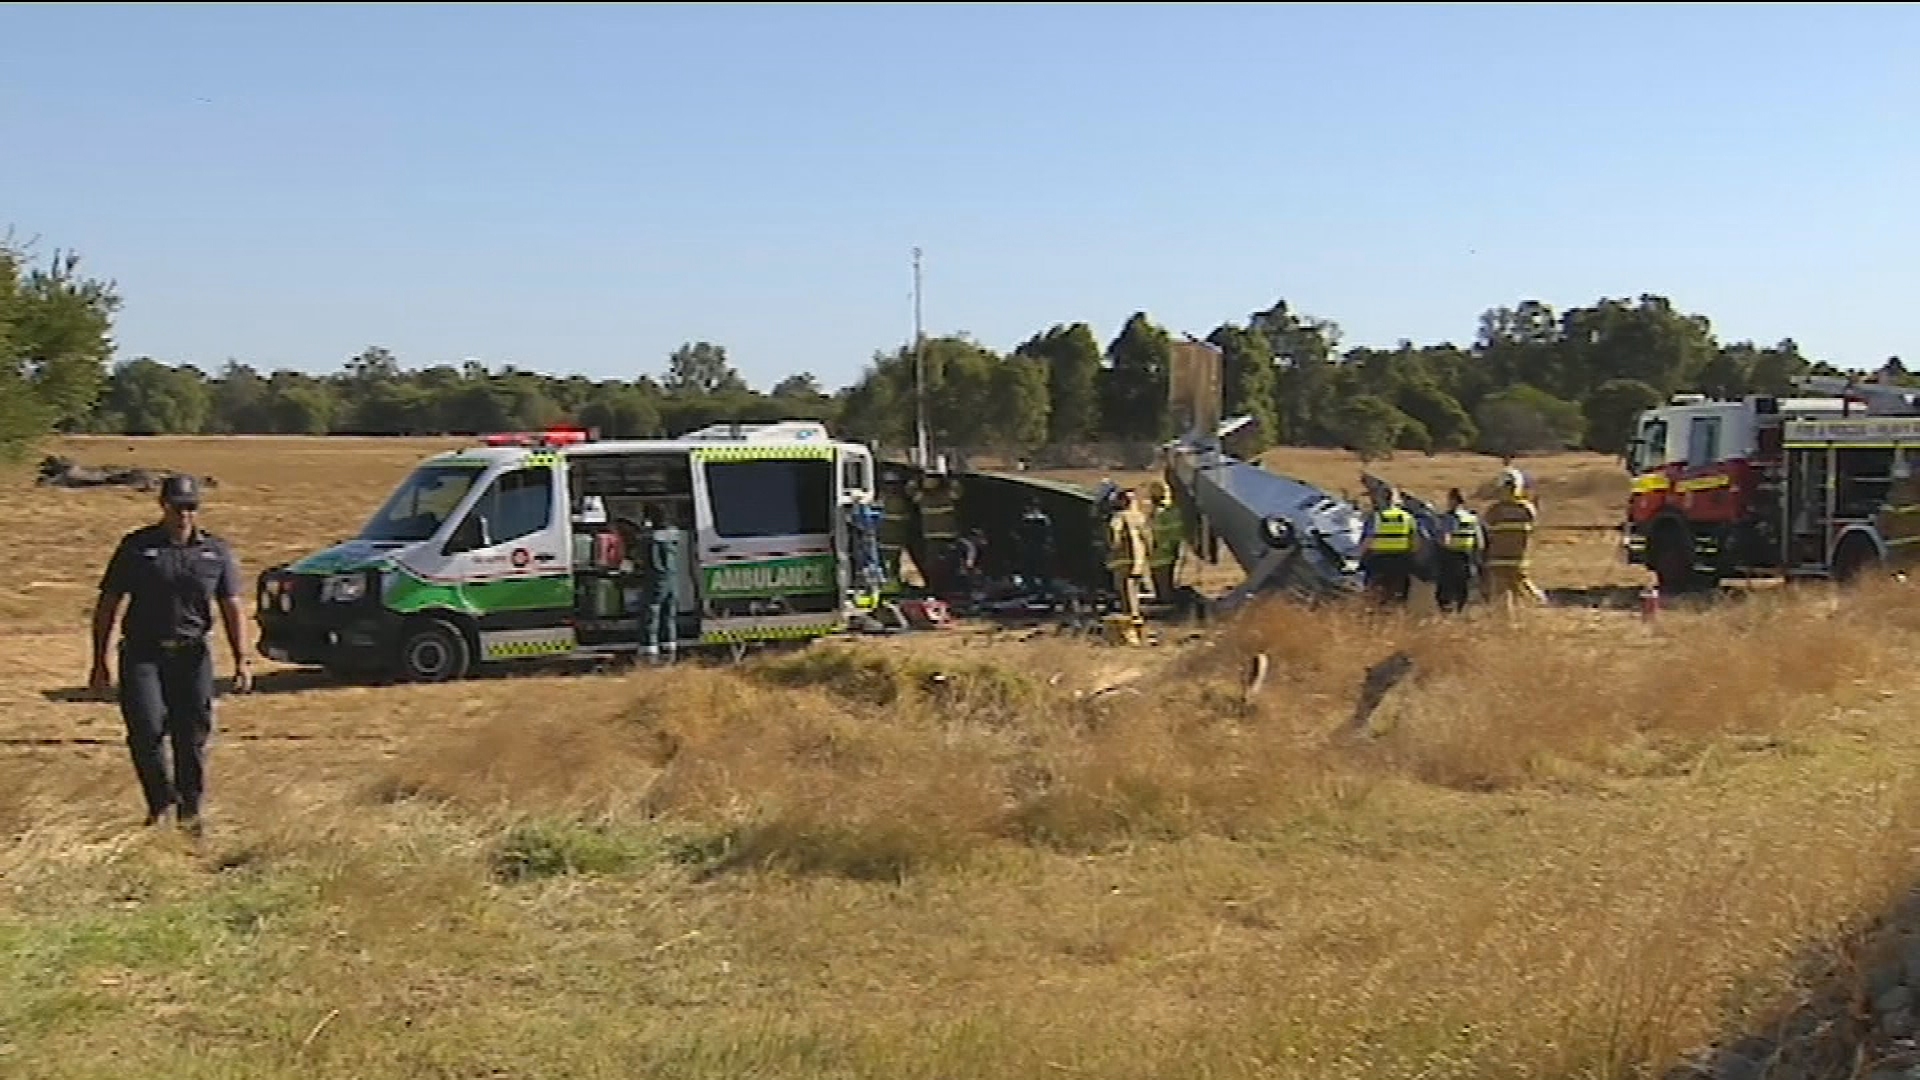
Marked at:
<point>1392,532</point>
<point>1168,532</point>
<point>1465,536</point>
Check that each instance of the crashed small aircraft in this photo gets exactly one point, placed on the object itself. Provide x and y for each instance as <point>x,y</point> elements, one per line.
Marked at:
<point>1287,535</point>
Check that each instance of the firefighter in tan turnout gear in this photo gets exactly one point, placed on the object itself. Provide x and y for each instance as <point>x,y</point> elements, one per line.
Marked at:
<point>939,529</point>
<point>896,528</point>
<point>1127,555</point>
<point>1510,523</point>
<point>1168,534</point>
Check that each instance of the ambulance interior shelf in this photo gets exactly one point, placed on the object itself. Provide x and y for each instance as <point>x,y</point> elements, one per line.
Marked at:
<point>602,612</point>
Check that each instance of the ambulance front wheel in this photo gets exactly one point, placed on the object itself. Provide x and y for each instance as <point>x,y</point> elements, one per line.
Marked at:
<point>431,650</point>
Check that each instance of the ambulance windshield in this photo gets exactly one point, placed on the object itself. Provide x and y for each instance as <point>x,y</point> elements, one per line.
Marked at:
<point>415,510</point>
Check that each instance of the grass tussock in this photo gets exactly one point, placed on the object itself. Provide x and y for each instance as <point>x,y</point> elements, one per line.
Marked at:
<point>818,781</point>
<point>981,692</point>
<point>541,848</point>
<point>904,766</point>
<point>1493,703</point>
<point>523,761</point>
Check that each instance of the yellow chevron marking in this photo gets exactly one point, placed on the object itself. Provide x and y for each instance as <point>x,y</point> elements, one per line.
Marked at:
<point>763,453</point>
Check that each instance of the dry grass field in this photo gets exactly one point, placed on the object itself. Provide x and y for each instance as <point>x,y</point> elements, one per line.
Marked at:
<point>1571,844</point>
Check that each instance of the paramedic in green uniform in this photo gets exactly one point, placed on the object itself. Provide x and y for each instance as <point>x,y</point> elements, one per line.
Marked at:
<point>659,565</point>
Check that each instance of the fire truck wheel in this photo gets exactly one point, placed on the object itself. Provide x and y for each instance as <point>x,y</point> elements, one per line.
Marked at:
<point>1854,560</point>
<point>1672,559</point>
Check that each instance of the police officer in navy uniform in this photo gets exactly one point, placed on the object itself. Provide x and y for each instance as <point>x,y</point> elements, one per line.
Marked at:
<point>172,574</point>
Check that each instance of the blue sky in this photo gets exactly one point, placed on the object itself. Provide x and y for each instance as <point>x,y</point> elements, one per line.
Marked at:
<point>582,188</point>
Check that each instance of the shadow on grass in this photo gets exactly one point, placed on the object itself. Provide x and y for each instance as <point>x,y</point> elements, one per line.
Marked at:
<point>1854,1015</point>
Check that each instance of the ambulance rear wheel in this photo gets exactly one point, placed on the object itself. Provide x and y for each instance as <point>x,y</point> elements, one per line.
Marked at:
<point>431,650</point>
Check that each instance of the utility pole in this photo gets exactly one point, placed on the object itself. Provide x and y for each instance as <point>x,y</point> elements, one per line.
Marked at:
<point>919,370</point>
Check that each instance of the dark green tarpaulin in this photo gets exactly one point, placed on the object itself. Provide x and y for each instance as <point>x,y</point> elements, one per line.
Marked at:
<point>993,502</point>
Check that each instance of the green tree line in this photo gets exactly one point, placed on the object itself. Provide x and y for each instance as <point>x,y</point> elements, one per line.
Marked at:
<point>1533,380</point>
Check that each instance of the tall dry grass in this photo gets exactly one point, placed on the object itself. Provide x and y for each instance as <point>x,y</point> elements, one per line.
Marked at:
<point>938,758</point>
<point>1566,845</point>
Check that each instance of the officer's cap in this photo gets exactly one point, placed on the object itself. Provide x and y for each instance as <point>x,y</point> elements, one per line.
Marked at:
<point>180,490</point>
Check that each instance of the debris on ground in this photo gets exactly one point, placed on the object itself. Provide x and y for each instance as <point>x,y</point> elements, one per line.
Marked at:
<point>1381,679</point>
<point>66,473</point>
<point>1256,678</point>
<point>926,614</point>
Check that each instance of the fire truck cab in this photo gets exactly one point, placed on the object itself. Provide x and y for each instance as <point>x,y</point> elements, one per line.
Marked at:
<point>1767,486</point>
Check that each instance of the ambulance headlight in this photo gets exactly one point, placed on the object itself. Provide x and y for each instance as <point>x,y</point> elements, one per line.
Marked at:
<point>343,588</point>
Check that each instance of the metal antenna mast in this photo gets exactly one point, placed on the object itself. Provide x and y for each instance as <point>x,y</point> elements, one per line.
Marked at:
<point>919,370</point>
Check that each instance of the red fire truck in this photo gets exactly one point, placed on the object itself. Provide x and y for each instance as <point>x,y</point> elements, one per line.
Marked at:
<point>1766,486</point>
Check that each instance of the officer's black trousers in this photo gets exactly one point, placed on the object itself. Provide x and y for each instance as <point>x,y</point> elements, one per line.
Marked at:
<point>166,695</point>
<point>1453,580</point>
<point>1389,578</point>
